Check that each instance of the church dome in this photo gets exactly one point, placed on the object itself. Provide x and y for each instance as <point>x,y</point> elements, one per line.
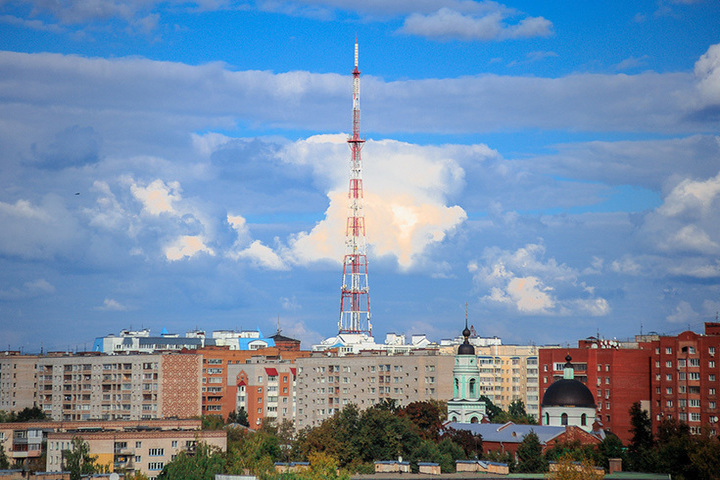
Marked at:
<point>568,393</point>
<point>466,349</point>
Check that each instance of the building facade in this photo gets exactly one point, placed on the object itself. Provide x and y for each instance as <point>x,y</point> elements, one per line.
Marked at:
<point>25,442</point>
<point>132,451</point>
<point>265,389</point>
<point>119,387</point>
<point>685,378</point>
<point>325,384</point>
<point>17,381</point>
<point>616,373</point>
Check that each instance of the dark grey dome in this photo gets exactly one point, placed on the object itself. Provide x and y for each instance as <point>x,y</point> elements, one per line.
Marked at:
<point>568,393</point>
<point>466,349</point>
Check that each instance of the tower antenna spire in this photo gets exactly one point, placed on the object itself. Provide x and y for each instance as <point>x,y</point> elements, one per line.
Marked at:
<point>355,298</point>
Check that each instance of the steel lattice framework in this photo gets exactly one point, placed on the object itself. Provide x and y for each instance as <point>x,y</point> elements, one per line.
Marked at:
<point>355,299</point>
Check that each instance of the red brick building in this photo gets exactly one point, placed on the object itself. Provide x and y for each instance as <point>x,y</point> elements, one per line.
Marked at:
<point>220,389</point>
<point>616,376</point>
<point>685,378</point>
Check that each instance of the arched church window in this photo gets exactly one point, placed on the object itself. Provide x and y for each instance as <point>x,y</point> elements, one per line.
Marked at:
<point>564,419</point>
<point>583,419</point>
<point>547,418</point>
<point>472,387</point>
<point>474,420</point>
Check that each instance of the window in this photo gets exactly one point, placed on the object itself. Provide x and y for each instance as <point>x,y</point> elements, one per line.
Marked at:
<point>583,419</point>
<point>694,362</point>
<point>668,390</point>
<point>174,444</point>
<point>668,377</point>
<point>694,375</point>
<point>712,391</point>
<point>668,350</point>
<point>138,444</point>
<point>711,350</point>
<point>156,452</point>
<point>694,402</point>
<point>711,364</point>
<point>155,465</point>
<point>694,417</point>
<point>711,377</point>
<point>564,419</point>
<point>668,364</point>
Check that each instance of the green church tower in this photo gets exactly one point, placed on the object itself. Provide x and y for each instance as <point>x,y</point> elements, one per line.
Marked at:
<point>466,406</point>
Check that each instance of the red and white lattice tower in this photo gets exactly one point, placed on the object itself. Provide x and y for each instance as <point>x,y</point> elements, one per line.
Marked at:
<point>355,300</point>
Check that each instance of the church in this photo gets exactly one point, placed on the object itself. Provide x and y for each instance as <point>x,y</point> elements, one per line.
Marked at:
<point>466,406</point>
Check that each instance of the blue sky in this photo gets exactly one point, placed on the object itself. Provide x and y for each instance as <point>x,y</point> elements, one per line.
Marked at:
<point>175,164</point>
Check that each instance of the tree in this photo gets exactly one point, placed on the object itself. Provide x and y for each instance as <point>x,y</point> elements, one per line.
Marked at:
<point>4,462</point>
<point>29,414</point>
<point>491,409</point>
<point>470,443</point>
<point>239,416</point>
<point>516,413</point>
<point>427,417</point>
<point>212,422</point>
<point>78,460</point>
<point>640,451</point>
<point>611,447</point>
<point>568,468</point>
<point>530,456</point>
<point>203,464</point>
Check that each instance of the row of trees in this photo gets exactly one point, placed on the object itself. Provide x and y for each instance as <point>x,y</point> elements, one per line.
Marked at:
<point>27,414</point>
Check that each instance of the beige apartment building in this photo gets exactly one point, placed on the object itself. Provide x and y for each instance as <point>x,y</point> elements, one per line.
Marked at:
<point>25,442</point>
<point>119,387</point>
<point>17,381</point>
<point>325,384</point>
<point>508,373</point>
<point>140,450</point>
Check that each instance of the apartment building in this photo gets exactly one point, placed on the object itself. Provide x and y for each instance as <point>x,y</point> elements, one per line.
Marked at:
<point>119,387</point>
<point>616,373</point>
<point>327,383</point>
<point>25,441</point>
<point>17,381</point>
<point>509,373</point>
<point>265,389</point>
<point>685,378</point>
<point>220,388</point>
<point>131,451</point>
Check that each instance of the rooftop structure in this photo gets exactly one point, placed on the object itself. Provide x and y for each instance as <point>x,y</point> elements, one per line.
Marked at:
<point>140,341</point>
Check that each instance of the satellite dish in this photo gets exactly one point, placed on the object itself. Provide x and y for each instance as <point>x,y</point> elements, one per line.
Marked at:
<point>114,476</point>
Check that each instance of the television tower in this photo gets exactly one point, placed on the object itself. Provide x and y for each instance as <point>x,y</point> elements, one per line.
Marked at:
<point>355,300</point>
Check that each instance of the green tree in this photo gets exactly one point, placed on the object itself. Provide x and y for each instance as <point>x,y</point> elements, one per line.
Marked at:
<point>706,456</point>
<point>29,414</point>
<point>491,409</point>
<point>4,462</point>
<point>640,450</point>
<point>239,416</point>
<point>252,452</point>
<point>470,443</point>
<point>611,447</point>
<point>212,422</point>
<point>203,464</point>
<point>77,460</point>
<point>530,456</point>
<point>673,447</point>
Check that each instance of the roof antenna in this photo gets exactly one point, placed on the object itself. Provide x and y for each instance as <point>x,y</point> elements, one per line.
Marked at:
<point>278,324</point>
<point>466,314</point>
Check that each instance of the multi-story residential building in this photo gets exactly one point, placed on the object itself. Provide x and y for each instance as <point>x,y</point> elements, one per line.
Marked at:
<point>616,373</point>
<point>132,450</point>
<point>685,378</point>
<point>508,373</point>
<point>17,381</point>
<point>265,389</point>
<point>325,384</point>
<point>119,387</point>
<point>26,441</point>
<point>219,373</point>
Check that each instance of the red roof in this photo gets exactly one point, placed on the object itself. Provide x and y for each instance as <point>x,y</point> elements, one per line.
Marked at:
<point>272,372</point>
<point>293,370</point>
